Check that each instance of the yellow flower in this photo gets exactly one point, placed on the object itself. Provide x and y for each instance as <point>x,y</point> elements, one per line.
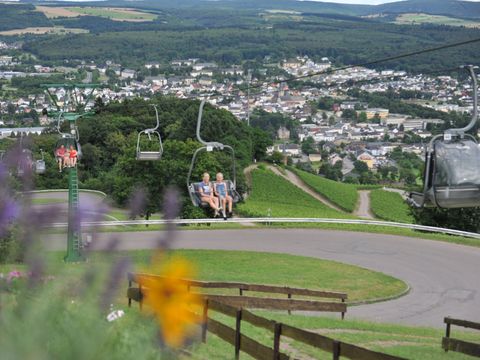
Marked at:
<point>168,298</point>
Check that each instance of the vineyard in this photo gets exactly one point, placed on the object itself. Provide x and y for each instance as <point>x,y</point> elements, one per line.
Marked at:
<point>390,206</point>
<point>343,195</point>
<point>276,197</point>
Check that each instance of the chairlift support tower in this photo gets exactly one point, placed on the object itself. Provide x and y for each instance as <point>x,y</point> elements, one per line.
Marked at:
<point>72,109</point>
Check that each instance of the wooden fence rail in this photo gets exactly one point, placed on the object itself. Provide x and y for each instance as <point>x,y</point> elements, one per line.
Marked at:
<point>233,306</point>
<point>258,351</point>
<point>457,345</point>
<point>288,304</point>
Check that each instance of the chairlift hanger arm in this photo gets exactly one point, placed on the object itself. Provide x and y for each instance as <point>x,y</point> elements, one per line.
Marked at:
<point>461,131</point>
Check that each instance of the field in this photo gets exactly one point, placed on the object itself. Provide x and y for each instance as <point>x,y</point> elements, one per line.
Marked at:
<point>117,14</point>
<point>276,197</point>
<point>390,206</point>
<point>418,18</point>
<point>42,31</point>
<point>343,195</point>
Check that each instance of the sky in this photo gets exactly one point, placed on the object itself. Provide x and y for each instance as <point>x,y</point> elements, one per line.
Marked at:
<point>369,2</point>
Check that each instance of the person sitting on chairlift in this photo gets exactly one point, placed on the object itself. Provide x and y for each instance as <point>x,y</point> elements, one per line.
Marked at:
<point>60,156</point>
<point>206,193</point>
<point>66,158</point>
<point>73,156</point>
<point>221,192</point>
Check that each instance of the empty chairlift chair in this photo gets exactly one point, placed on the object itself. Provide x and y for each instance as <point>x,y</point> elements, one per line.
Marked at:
<point>153,136</point>
<point>40,167</point>
<point>193,187</point>
<point>452,167</point>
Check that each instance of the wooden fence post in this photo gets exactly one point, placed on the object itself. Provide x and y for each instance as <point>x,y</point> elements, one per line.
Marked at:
<point>447,334</point>
<point>238,323</point>
<point>343,313</point>
<point>276,340</point>
<point>129,299</point>
<point>205,321</point>
<point>289,311</point>
<point>336,350</point>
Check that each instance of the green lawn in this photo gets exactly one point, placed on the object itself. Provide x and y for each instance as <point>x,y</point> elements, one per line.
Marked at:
<point>420,18</point>
<point>343,195</point>
<point>277,197</point>
<point>264,268</point>
<point>416,343</point>
<point>47,201</point>
<point>390,206</point>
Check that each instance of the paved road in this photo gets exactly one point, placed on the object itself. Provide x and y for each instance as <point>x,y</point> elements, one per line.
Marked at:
<point>444,277</point>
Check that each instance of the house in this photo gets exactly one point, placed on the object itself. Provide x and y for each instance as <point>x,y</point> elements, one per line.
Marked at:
<point>283,133</point>
<point>367,159</point>
<point>315,157</point>
<point>334,158</point>
<point>128,74</point>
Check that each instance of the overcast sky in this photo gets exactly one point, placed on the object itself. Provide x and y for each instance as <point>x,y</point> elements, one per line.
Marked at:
<point>369,2</point>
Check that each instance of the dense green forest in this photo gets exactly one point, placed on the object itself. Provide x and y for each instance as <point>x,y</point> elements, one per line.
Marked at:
<point>233,36</point>
<point>17,16</point>
<point>109,141</point>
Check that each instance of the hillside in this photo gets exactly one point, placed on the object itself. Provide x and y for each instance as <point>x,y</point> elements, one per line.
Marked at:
<point>453,8</point>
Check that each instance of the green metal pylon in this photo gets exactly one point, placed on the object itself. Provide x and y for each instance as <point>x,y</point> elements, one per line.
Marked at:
<point>74,239</point>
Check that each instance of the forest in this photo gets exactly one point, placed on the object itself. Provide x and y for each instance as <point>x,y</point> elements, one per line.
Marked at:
<point>231,36</point>
<point>109,140</point>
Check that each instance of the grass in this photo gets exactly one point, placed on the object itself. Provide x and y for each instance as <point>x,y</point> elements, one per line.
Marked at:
<point>344,196</point>
<point>43,30</point>
<point>390,206</point>
<point>420,18</point>
<point>416,343</point>
<point>253,267</point>
<point>123,14</point>
<point>410,342</point>
<point>276,197</point>
<point>47,201</point>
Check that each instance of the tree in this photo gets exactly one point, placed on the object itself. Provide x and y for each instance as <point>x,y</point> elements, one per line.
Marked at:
<point>360,167</point>
<point>308,146</point>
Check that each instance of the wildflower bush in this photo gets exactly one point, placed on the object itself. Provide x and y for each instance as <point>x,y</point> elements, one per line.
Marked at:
<point>69,311</point>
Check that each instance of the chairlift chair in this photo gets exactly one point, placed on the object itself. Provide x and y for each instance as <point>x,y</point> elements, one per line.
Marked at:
<point>153,135</point>
<point>452,167</point>
<point>40,166</point>
<point>67,139</point>
<point>194,187</point>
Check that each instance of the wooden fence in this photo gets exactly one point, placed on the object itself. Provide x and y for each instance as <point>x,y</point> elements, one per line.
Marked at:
<point>233,306</point>
<point>259,351</point>
<point>464,347</point>
<point>254,302</point>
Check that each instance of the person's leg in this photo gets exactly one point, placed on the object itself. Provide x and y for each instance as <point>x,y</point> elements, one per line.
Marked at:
<point>230,203</point>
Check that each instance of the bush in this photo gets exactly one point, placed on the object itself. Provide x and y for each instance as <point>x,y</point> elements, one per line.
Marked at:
<point>11,248</point>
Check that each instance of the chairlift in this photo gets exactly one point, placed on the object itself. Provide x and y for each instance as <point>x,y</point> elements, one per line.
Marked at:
<point>68,139</point>
<point>194,187</point>
<point>25,162</point>
<point>153,136</point>
<point>40,166</point>
<point>452,166</point>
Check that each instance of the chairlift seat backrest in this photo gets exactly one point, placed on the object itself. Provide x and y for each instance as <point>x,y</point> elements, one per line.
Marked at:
<point>40,167</point>
<point>456,181</point>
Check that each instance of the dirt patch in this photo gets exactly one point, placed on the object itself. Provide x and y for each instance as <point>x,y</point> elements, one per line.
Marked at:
<point>55,12</point>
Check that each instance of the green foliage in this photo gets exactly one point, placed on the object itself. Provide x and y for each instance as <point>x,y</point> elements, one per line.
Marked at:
<point>233,41</point>
<point>343,195</point>
<point>15,16</point>
<point>109,144</point>
<point>390,206</point>
<point>271,122</point>
<point>273,195</point>
<point>465,219</point>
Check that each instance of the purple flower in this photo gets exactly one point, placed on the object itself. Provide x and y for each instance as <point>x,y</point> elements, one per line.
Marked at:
<point>14,275</point>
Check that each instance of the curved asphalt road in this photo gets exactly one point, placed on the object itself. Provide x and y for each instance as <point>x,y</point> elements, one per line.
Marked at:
<point>444,277</point>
